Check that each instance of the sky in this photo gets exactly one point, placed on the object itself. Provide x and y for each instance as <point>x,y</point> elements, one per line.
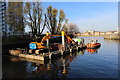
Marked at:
<point>97,16</point>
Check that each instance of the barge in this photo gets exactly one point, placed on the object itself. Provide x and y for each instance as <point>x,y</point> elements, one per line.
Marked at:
<point>44,51</point>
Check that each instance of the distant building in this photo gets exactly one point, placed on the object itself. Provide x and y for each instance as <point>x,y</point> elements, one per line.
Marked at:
<point>96,33</point>
<point>78,34</point>
<point>111,32</point>
<point>116,32</point>
<point>102,33</point>
<point>86,33</point>
<point>5,29</point>
<point>91,32</point>
<point>3,26</point>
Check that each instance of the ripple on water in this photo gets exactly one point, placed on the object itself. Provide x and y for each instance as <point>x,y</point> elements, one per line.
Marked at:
<point>103,64</point>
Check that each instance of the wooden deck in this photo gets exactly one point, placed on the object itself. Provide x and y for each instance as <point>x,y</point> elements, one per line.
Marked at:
<point>44,56</point>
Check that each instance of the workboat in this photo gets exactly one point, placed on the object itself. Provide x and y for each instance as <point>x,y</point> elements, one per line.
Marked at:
<point>44,46</point>
<point>93,44</point>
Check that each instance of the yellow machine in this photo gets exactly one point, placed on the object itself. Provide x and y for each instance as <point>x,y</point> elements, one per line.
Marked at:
<point>41,45</point>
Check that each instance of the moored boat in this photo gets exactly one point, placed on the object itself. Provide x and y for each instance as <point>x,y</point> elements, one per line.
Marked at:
<point>93,45</point>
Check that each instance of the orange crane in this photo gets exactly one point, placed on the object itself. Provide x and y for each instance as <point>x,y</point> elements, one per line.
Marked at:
<point>37,45</point>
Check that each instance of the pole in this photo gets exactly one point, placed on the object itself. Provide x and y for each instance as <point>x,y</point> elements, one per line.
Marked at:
<point>63,39</point>
<point>47,34</point>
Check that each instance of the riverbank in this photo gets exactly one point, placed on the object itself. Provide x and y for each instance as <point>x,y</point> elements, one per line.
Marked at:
<point>11,40</point>
<point>112,37</point>
<point>90,36</point>
<point>109,37</point>
<point>14,42</point>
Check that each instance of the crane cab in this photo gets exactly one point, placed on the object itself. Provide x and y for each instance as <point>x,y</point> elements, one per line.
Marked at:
<point>36,45</point>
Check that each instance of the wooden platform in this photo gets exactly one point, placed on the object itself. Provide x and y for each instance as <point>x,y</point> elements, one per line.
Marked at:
<point>44,56</point>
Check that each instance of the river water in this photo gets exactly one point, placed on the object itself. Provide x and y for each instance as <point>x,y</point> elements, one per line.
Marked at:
<point>99,63</point>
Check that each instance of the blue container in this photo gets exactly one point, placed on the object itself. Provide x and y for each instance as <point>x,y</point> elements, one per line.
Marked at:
<point>32,46</point>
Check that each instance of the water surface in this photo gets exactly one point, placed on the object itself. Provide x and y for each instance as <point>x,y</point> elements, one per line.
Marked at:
<point>101,63</point>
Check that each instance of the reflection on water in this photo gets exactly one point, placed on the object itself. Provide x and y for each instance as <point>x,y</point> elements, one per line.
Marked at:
<point>53,68</point>
<point>101,63</point>
<point>92,51</point>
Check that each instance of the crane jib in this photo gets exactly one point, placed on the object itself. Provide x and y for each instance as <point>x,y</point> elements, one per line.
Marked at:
<point>55,36</point>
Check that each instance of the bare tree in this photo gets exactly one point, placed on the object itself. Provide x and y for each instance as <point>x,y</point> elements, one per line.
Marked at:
<point>72,28</point>
<point>34,17</point>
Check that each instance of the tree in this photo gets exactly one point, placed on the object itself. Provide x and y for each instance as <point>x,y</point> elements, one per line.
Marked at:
<point>14,16</point>
<point>71,28</point>
<point>53,25</point>
<point>65,26</point>
<point>33,16</point>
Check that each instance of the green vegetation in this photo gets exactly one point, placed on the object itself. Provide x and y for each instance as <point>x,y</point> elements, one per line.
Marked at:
<point>34,17</point>
<point>14,16</point>
<point>113,38</point>
<point>54,26</point>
